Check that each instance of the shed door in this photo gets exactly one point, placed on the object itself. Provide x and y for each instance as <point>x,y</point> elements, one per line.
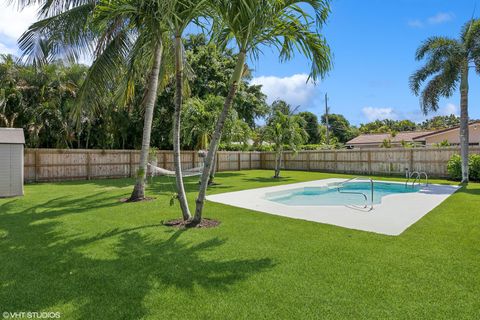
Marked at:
<point>5,180</point>
<point>16,169</point>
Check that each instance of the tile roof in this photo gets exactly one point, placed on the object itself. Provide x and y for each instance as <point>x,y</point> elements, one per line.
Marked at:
<point>407,136</point>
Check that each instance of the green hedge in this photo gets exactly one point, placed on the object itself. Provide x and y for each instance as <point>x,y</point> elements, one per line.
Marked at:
<point>454,167</point>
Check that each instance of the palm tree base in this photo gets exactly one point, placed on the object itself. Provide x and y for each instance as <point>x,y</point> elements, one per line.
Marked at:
<point>186,224</point>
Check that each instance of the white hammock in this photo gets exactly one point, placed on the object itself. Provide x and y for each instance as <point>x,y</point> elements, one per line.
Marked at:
<point>157,171</point>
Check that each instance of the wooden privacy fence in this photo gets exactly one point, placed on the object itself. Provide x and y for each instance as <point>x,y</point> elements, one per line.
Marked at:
<point>77,164</point>
<point>432,160</point>
<point>71,164</point>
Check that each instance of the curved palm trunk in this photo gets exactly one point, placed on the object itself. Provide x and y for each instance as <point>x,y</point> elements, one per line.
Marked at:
<point>182,198</point>
<point>212,150</point>
<point>139,189</point>
<point>464,140</point>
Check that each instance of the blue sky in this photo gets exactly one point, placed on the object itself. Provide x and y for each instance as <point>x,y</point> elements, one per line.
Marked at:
<point>373,42</point>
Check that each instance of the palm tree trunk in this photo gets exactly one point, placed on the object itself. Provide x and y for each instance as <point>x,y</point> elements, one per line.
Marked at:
<point>182,198</point>
<point>278,163</point>
<point>212,150</point>
<point>464,140</point>
<point>139,189</point>
<point>213,171</point>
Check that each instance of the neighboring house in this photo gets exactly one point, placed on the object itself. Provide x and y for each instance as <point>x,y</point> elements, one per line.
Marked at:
<point>452,135</point>
<point>374,140</point>
<point>420,138</point>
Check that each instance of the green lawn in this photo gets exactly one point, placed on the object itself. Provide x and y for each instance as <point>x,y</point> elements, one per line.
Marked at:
<point>74,248</point>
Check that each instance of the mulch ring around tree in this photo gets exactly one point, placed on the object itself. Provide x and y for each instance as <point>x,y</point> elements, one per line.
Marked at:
<point>182,224</point>
<point>126,200</point>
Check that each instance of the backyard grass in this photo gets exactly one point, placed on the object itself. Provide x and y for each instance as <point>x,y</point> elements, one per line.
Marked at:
<point>74,248</point>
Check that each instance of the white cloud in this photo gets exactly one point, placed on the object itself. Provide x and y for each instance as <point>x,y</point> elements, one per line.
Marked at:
<point>441,17</point>
<point>6,49</point>
<point>449,109</point>
<point>293,89</point>
<point>373,114</point>
<point>13,22</point>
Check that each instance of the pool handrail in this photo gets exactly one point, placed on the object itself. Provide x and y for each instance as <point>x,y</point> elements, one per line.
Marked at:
<point>340,185</point>
<point>418,177</point>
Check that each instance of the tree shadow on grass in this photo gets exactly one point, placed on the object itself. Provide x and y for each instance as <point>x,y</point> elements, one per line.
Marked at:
<point>42,269</point>
<point>268,179</point>
<point>469,190</point>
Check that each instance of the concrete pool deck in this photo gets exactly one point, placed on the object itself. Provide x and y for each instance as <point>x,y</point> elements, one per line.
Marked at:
<point>393,216</point>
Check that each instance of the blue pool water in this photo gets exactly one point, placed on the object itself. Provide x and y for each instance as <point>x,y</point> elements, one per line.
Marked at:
<point>330,196</point>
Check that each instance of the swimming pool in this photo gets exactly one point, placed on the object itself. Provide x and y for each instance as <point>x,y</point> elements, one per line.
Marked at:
<point>395,210</point>
<point>356,193</point>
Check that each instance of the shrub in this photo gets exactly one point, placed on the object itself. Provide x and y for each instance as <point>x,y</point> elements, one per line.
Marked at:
<point>474,167</point>
<point>454,167</point>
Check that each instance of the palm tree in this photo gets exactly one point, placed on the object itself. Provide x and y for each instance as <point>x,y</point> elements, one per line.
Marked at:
<point>184,12</point>
<point>447,65</point>
<point>128,37</point>
<point>284,128</point>
<point>252,24</point>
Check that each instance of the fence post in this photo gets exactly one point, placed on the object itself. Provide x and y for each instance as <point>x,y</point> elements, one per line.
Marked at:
<point>239,162</point>
<point>335,164</point>
<point>308,160</point>
<point>130,164</point>
<point>37,165</point>
<point>369,155</point>
<point>411,160</point>
<point>193,159</point>
<point>88,165</point>
<point>250,159</point>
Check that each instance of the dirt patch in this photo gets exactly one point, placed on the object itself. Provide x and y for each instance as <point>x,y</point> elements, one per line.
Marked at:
<point>181,224</point>
<point>126,200</point>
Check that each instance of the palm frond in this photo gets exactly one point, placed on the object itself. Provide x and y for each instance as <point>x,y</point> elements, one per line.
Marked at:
<point>66,35</point>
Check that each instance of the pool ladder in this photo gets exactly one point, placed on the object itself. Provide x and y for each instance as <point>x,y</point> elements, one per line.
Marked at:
<point>416,176</point>
<point>340,185</point>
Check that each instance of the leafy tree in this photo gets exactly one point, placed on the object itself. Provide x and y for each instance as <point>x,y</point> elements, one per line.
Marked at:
<point>340,127</point>
<point>253,24</point>
<point>447,64</point>
<point>284,128</point>
<point>387,126</point>
<point>199,125</point>
<point>311,127</point>
<point>212,69</point>
<point>440,122</point>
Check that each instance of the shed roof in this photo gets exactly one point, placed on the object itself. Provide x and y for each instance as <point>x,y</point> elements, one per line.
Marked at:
<point>12,135</point>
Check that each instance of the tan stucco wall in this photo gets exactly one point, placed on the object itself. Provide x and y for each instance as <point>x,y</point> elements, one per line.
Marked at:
<point>453,136</point>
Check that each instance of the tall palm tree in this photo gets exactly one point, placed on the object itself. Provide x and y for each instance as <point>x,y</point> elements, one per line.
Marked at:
<point>251,24</point>
<point>447,65</point>
<point>184,12</point>
<point>125,37</point>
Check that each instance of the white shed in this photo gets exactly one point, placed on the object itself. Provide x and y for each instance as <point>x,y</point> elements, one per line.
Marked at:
<point>11,162</point>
